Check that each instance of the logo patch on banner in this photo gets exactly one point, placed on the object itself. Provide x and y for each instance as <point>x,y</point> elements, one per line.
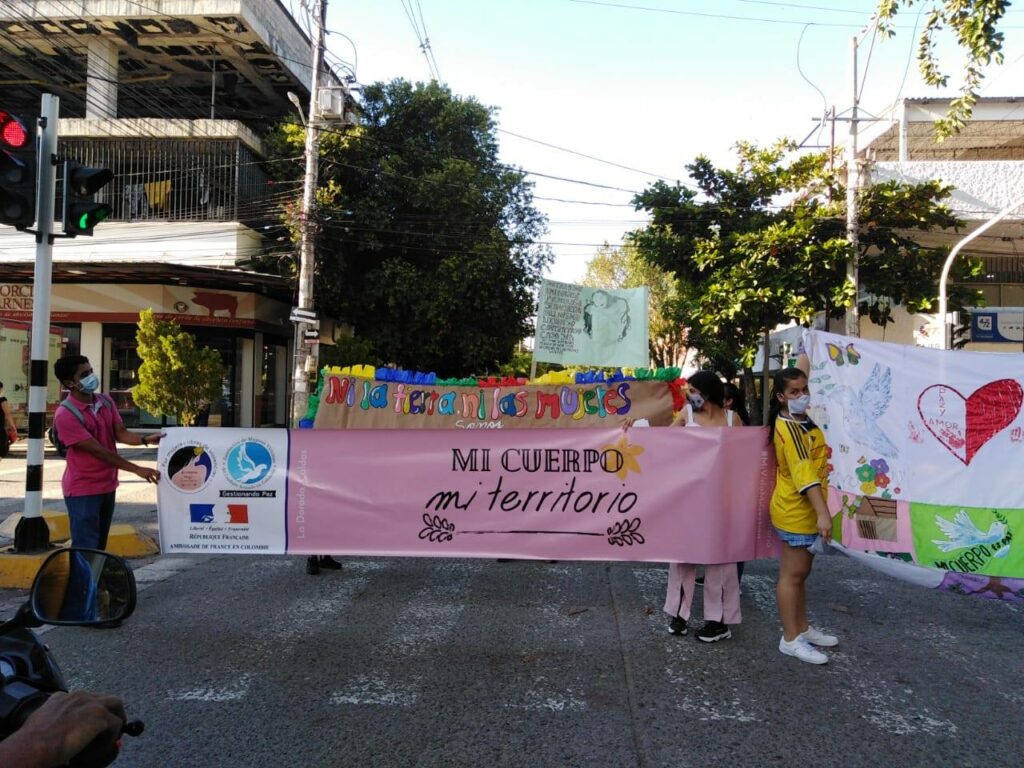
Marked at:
<point>249,463</point>
<point>238,514</point>
<point>189,467</point>
<point>200,513</point>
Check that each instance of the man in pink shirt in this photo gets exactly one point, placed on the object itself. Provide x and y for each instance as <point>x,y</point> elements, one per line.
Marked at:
<point>90,476</point>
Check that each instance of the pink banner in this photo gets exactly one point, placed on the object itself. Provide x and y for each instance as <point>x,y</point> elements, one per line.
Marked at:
<point>689,495</point>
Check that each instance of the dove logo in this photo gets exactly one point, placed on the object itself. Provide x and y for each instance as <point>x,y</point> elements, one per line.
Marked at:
<point>249,463</point>
<point>962,533</point>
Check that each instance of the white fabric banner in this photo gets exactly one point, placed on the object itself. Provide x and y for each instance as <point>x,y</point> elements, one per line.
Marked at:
<point>577,325</point>
<point>921,425</point>
<point>223,490</point>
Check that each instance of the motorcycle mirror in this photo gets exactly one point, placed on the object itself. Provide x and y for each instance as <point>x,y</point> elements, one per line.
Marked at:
<point>81,587</point>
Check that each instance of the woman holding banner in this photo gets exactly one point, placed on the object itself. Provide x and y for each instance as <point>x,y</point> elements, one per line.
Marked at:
<point>704,408</point>
<point>798,510</point>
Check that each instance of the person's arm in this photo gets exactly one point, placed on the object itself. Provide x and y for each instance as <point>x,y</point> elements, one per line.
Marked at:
<point>123,435</point>
<point>61,728</point>
<point>94,448</point>
<point>7,422</point>
<point>817,499</point>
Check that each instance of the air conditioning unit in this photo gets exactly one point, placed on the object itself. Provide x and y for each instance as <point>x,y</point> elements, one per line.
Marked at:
<point>332,104</point>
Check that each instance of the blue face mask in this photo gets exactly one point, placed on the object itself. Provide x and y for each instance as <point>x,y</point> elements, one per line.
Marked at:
<point>89,384</point>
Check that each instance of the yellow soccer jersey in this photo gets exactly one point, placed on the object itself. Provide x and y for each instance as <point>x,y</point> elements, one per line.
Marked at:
<point>803,463</point>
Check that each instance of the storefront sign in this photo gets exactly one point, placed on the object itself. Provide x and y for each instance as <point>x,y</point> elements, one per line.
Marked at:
<point>996,324</point>
<point>353,402</point>
<point>646,495</point>
<point>104,303</point>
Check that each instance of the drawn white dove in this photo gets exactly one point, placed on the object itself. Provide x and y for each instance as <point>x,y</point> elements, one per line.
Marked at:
<point>961,533</point>
<point>251,471</point>
<point>861,411</point>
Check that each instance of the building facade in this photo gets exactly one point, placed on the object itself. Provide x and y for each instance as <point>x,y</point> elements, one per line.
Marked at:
<point>174,98</point>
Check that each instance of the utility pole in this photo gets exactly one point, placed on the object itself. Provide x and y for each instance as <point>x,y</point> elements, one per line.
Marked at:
<point>852,188</point>
<point>307,355</point>
<point>32,534</point>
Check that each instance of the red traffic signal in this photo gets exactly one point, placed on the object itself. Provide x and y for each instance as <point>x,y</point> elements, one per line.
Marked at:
<point>17,172</point>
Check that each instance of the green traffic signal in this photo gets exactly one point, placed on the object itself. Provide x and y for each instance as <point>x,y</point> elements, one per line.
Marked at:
<point>81,213</point>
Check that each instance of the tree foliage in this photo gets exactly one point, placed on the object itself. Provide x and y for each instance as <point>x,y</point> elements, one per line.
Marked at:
<point>974,25</point>
<point>427,244</point>
<point>624,268</point>
<point>764,245</point>
<point>177,377</point>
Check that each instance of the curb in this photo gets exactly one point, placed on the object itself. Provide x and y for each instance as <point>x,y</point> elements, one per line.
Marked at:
<point>56,521</point>
<point>18,571</point>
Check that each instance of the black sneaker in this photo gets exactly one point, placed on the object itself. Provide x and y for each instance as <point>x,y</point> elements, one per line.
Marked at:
<point>677,626</point>
<point>713,631</point>
<point>313,565</point>
<point>328,562</point>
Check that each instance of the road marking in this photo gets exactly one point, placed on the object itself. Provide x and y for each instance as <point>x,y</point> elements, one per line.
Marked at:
<point>378,690</point>
<point>889,709</point>
<point>542,697</point>
<point>232,692</point>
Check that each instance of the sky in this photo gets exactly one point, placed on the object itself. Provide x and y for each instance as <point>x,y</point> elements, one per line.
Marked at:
<point>643,88</point>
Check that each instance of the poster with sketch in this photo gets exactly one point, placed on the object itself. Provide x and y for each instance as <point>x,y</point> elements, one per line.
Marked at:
<point>577,325</point>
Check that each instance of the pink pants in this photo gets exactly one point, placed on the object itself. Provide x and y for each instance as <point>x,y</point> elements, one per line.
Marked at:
<point>721,592</point>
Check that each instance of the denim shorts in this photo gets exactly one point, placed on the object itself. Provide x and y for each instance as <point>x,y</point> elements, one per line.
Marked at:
<point>797,539</point>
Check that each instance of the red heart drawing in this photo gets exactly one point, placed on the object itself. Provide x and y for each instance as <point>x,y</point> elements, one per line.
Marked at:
<point>965,424</point>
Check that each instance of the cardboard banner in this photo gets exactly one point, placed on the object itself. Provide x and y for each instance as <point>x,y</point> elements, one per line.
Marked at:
<point>548,494</point>
<point>577,325</point>
<point>350,402</point>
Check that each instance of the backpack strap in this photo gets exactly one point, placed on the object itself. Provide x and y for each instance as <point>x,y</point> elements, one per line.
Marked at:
<point>66,403</point>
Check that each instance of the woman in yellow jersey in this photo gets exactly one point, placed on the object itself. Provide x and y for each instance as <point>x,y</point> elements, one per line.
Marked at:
<point>798,509</point>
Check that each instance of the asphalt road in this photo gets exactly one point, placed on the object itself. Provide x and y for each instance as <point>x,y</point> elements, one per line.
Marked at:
<point>246,661</point>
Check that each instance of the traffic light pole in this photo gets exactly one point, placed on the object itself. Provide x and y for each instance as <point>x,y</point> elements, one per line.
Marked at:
<point>32,534</point>
<point>307,364</point>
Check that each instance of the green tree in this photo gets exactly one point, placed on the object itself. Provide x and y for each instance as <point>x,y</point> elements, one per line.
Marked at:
<point>177,377</point>
<point>974,25</point>
<point>624,268</point>
<point>764,245</point>
<point>427,244</point>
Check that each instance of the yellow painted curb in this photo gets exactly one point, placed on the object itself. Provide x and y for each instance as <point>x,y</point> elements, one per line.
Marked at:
<point>18,571</point>
<point>125,541</point>
<point>56,521</point>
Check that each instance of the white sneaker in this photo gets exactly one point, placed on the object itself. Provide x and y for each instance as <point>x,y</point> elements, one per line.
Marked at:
<point>819,638</point>
<point>802,650</point>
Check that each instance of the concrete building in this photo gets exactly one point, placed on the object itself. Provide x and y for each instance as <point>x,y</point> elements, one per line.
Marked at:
<point>173,96</point>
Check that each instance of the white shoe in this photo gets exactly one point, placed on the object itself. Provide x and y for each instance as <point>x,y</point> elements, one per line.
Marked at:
<point>819,638</point>
<point>802,650</point>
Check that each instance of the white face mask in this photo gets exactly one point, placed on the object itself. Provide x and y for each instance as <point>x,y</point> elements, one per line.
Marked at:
<point>798,406</point>
<point>696,401</point>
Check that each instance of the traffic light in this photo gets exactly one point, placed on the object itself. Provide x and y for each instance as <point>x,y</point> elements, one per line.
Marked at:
<point>17,172</point>
<point>81,212</point>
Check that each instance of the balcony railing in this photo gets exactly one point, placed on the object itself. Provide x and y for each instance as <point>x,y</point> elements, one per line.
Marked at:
<point>179,179</point>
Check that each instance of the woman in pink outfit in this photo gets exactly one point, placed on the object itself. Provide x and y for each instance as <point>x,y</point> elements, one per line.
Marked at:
<point>704,408</point>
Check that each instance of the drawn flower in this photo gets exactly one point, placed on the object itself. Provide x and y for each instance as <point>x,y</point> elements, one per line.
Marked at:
<point>868,488</point>
<point>830,469</point>
<point>865,473</point>
<point>828,452</point>
<point>629,454</point>
<point>880,466</point>
<point>882,480</point>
